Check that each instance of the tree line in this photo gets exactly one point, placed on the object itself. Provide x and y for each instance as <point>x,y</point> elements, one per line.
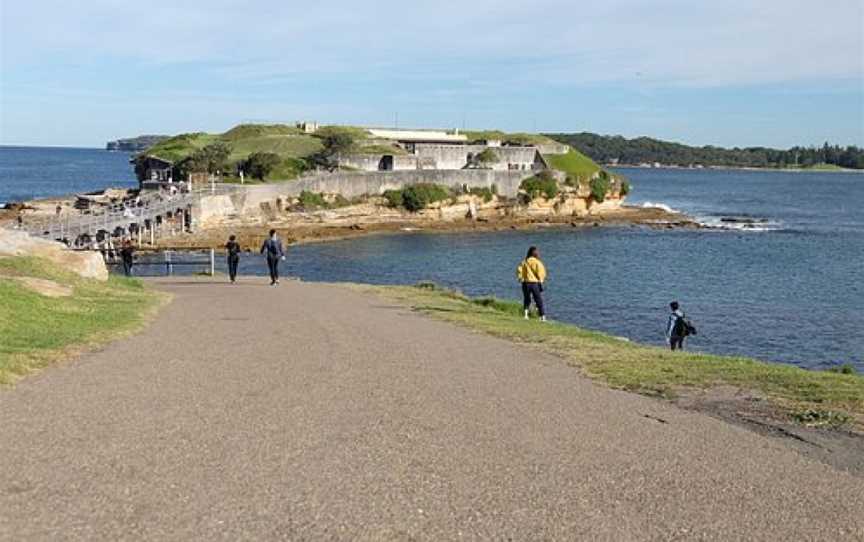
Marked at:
<point>609,149</point>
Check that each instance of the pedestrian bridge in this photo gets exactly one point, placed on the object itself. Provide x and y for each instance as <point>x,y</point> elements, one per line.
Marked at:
<point>149,217</point>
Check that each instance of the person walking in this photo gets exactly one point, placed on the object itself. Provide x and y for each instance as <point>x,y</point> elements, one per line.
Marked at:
<point>532,274</point>
<point>127,255</point>
<point>676,328</point>
<point>233,249</point>
<point>272,247</point>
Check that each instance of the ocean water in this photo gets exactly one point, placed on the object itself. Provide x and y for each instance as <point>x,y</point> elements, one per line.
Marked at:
<point>781,278</point>
<point>42,172</point>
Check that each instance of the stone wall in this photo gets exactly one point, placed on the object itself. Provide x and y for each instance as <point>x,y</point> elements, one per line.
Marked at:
<point>457,156</point>
<point>373,162</point>
<point>359,183</point>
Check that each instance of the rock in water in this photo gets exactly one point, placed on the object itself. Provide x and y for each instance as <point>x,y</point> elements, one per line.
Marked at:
<point>84,263</point>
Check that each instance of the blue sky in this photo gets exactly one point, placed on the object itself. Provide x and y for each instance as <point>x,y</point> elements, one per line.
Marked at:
<point>732,72</point>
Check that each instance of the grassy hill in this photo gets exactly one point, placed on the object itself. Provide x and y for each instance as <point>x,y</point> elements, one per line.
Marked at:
<point>574,164</point>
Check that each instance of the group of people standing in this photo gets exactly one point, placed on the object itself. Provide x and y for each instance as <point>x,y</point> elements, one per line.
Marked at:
<point>531,273</point>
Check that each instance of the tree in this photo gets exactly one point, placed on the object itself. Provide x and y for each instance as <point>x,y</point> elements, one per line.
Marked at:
<point>260,164</point>
<point>335,143</point>
<point>211,159</point>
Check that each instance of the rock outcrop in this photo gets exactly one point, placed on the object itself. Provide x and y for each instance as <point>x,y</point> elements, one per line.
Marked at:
<point>86,264</point>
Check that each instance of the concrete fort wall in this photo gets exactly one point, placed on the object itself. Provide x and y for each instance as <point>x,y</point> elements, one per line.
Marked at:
<point>457,156</point>
<point>354,184</point>
<point>373,162</point>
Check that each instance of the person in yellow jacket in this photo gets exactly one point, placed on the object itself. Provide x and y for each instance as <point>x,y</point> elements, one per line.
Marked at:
<point>532,273</point>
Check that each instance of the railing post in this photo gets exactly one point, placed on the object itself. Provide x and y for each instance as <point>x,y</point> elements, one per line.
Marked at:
<point>212,262</point>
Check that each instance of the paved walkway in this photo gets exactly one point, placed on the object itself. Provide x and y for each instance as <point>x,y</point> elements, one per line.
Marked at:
<point>308,412</point>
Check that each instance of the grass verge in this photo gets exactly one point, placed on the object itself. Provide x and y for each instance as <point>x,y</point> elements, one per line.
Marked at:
<point>803,395</point>
<point>37,330</point>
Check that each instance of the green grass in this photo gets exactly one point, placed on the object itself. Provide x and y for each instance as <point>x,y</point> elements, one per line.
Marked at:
<point>574,164</point>
<point>181,146</point>
<point>381,149</point>
<point>824,167</point>
<point>517,138</point>
<point>38,330</point>
<point>286,146</point>
<point>640,368</point>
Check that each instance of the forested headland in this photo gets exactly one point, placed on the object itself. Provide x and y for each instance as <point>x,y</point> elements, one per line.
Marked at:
<point>646,150</point>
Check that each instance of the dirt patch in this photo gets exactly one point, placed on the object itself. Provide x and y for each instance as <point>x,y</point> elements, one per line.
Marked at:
<point>841,448</point>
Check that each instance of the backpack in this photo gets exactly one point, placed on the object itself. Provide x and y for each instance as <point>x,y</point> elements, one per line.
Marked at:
<point>683,327</point>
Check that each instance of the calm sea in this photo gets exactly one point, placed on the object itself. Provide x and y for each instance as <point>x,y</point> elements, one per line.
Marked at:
<point>41,172</point>
<point>787,287</point>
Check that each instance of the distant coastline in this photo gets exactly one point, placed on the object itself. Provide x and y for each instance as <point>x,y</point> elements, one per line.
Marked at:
<point>738,168</point>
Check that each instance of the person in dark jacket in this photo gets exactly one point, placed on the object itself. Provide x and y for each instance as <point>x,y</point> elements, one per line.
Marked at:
<point>272,247</point>
<point>127,254</point>
<point>676,327</point>
<point>233,249</point>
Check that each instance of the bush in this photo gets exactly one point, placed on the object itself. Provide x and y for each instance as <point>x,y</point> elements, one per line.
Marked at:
<point>260,164</point>
<point>393,197</point>
<point>487,156</point>
<point>484,192</point>
<point>419,196</point>
<point>845,369</point>
<point>312,200</point>
<point>599,188</point>
<point>340,201</point>
<point>625,188</point>
<point>542,183</point>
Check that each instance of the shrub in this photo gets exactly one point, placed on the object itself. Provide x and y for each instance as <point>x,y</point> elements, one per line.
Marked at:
<point>572,181</point>
<point>625,188</point>
<point>484,192</point>
<point>542,183</point>
<point>260,164</point>
<point>419,196</point>
<point>393,197</point>
<point>845,369</point>
<point>340,201</point>
<point>599,188</point>
<point>487,156</point>
<point>312,200</point>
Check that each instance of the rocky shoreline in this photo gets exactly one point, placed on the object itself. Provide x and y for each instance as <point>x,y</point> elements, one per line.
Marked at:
<point>302,232</point>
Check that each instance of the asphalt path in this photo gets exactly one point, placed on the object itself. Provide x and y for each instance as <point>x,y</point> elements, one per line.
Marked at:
<point>308,411</point>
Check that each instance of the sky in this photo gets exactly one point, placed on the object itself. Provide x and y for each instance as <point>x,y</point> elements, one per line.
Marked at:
<point>732,72</point>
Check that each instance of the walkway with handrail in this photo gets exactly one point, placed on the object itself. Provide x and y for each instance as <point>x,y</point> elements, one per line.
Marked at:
<point>144,212</point>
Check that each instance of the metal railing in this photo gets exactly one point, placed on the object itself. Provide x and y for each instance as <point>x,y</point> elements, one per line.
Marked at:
<point>109,218</point>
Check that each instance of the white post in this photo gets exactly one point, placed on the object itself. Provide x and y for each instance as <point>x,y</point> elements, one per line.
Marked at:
<point>212,262</point>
